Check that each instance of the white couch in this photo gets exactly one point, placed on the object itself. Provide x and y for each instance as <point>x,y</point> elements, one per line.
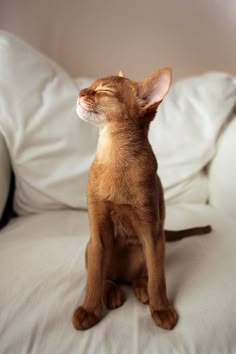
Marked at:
<point>42,268</point>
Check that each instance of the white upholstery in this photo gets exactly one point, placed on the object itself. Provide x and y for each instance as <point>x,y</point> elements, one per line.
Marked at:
<point>42,268</point>
<point>5,170</point>
<point>185,132</point>
<point>48,144</point>
<point>42,272</point>
<point>51,149</point>
<point>222,172</point>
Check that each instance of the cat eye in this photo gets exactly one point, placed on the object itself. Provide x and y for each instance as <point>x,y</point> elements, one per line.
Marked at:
<point>104,90</point>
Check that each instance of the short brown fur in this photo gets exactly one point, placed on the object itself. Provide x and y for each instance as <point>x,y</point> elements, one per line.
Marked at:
<point>125,200</point>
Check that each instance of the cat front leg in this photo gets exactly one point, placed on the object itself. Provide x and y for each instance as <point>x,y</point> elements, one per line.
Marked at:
<point>163,313</point>
<point>90,312</point>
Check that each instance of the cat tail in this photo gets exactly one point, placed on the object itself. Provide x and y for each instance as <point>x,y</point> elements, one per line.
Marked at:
<point>194,231</point>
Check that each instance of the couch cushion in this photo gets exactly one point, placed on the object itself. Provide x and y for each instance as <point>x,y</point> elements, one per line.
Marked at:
<point>5,173</point>
<point>42,272</point>
<point>51,149</point>
<point>222,172</point>
<point>185,132</point>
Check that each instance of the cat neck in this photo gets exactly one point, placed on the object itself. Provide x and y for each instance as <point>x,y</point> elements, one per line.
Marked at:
<point>119,144</point>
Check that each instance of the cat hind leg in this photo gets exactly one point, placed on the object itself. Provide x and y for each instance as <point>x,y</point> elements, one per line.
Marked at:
<point>113,295</point>
<point>140,289</point>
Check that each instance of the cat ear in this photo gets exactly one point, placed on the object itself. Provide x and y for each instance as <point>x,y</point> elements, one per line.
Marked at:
<point>152,90</point>
<point>121,74</point>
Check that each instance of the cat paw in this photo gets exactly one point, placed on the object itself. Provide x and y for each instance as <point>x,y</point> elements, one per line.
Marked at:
<point>166,318</point>
<point>83,319</point>
<point>140,290</point>
<point>113,295</point>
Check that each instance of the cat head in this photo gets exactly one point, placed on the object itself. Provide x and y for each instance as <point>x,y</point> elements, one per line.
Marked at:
<point>118,100</point>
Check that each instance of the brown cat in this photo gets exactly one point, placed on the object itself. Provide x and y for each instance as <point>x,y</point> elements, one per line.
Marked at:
<point>125,200</point>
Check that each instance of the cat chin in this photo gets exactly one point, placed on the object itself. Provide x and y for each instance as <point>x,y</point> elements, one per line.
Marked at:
<point>89,116</point>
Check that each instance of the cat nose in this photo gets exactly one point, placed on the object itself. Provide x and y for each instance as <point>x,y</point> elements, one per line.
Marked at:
<point>86,92</point>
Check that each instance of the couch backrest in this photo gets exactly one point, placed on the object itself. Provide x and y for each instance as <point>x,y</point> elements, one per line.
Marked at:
<point>51,149</point>
<point>222,172</point>
<point>5,171</point>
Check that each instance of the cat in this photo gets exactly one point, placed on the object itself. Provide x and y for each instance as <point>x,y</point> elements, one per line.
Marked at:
<point>125,200</point>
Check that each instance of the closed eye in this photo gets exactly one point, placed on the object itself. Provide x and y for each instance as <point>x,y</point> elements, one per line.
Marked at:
<point>104,90</point>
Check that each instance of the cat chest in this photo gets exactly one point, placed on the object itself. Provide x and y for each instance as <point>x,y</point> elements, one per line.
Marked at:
<point>115,189</point>
<point>124,220</point>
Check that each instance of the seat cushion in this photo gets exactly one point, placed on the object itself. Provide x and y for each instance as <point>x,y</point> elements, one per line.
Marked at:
<point>42,272</point>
